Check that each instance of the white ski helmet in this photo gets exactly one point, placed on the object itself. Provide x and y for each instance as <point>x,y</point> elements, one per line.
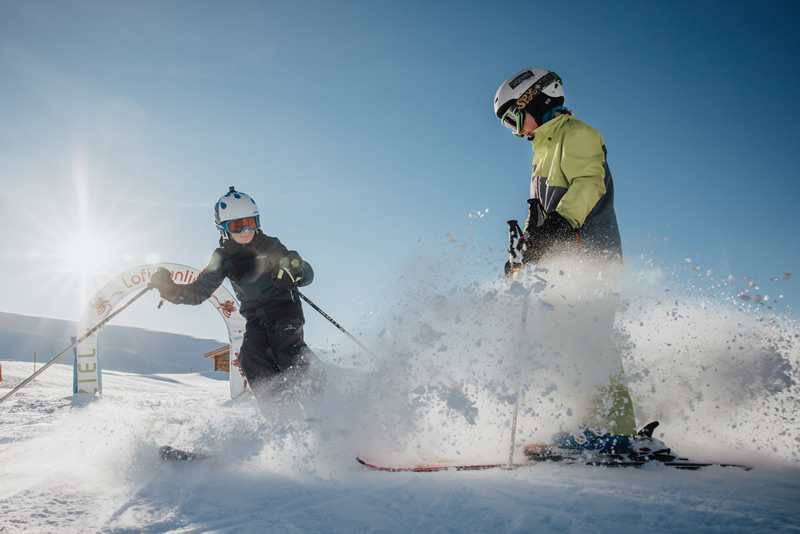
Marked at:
<point>234,205</point>
<point>523,87</point>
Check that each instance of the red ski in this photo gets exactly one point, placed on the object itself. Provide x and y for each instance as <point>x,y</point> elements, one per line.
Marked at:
<point>428,468</point>
<point>679,463</point>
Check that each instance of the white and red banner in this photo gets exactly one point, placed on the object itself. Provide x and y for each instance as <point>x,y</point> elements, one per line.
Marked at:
<point>87,374</point>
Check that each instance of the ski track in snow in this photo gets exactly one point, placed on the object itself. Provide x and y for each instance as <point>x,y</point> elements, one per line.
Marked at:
<point>723,383</point>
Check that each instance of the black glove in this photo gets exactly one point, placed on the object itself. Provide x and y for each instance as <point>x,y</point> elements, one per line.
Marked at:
<point>162,280</point>
<point>555,232</point>
<point>284,278</point>
<point>556,229</point>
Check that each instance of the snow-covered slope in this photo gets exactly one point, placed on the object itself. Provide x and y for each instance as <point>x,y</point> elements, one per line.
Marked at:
<point>722,381</point>
<point>69,466</point>
<point>122,348</point>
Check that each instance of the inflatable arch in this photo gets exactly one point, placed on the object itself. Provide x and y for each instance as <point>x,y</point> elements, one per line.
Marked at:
<point>87,372</point>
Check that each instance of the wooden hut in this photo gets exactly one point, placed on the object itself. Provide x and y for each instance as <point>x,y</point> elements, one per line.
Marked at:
<point>221,357</point>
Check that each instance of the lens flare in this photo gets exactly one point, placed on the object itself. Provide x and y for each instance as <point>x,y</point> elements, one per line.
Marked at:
<point>83,253</point>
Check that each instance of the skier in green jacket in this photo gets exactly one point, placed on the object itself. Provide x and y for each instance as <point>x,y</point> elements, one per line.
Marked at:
<point>571,211</point>
<point>571,186</point>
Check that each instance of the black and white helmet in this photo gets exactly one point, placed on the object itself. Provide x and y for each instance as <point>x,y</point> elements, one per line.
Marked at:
<point>234,205</point>
<point>539,86</point>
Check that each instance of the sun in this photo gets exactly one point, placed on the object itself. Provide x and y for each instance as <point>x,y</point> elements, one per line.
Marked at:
<point>84,252</point>
<point>79,236</point>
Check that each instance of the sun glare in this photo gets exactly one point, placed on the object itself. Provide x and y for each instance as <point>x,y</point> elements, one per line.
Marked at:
<point>84,253</point>
<point>86,240</point>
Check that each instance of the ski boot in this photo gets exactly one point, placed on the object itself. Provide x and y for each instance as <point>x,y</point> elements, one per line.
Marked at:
<point>647,448</point>
<point>583,445</point>
<point>171,454</point>
<point>588,446</point>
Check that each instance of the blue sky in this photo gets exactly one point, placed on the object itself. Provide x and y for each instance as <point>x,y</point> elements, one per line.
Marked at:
<point>364,130</point>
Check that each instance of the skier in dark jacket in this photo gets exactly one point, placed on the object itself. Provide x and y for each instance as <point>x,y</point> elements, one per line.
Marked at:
<point>263,273</point>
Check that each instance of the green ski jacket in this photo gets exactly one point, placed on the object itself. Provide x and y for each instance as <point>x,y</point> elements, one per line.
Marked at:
<point>571,176</point>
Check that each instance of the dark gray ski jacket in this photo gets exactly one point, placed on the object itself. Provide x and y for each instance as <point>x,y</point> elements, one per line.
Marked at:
<point>250,268</point>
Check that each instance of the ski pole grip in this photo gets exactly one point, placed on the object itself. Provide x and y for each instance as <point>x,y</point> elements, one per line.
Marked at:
<point>514,238</point>
<point>534,213</point>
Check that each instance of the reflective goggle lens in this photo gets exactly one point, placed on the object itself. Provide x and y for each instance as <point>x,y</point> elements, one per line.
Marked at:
<point>513,120</point>
<point>237,226</point>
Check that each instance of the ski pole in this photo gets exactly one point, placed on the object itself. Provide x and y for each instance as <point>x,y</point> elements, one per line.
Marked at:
<point>515,414</point>
<point>514,429</point>
<point>337,325</point>
<point>75,344</point>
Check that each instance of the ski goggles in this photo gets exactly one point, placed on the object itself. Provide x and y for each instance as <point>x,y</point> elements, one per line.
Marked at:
<point>237,226</point>
<point>514,119</point>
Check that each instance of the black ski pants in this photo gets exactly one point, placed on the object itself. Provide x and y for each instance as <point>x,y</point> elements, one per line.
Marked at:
<point>274,356</point>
